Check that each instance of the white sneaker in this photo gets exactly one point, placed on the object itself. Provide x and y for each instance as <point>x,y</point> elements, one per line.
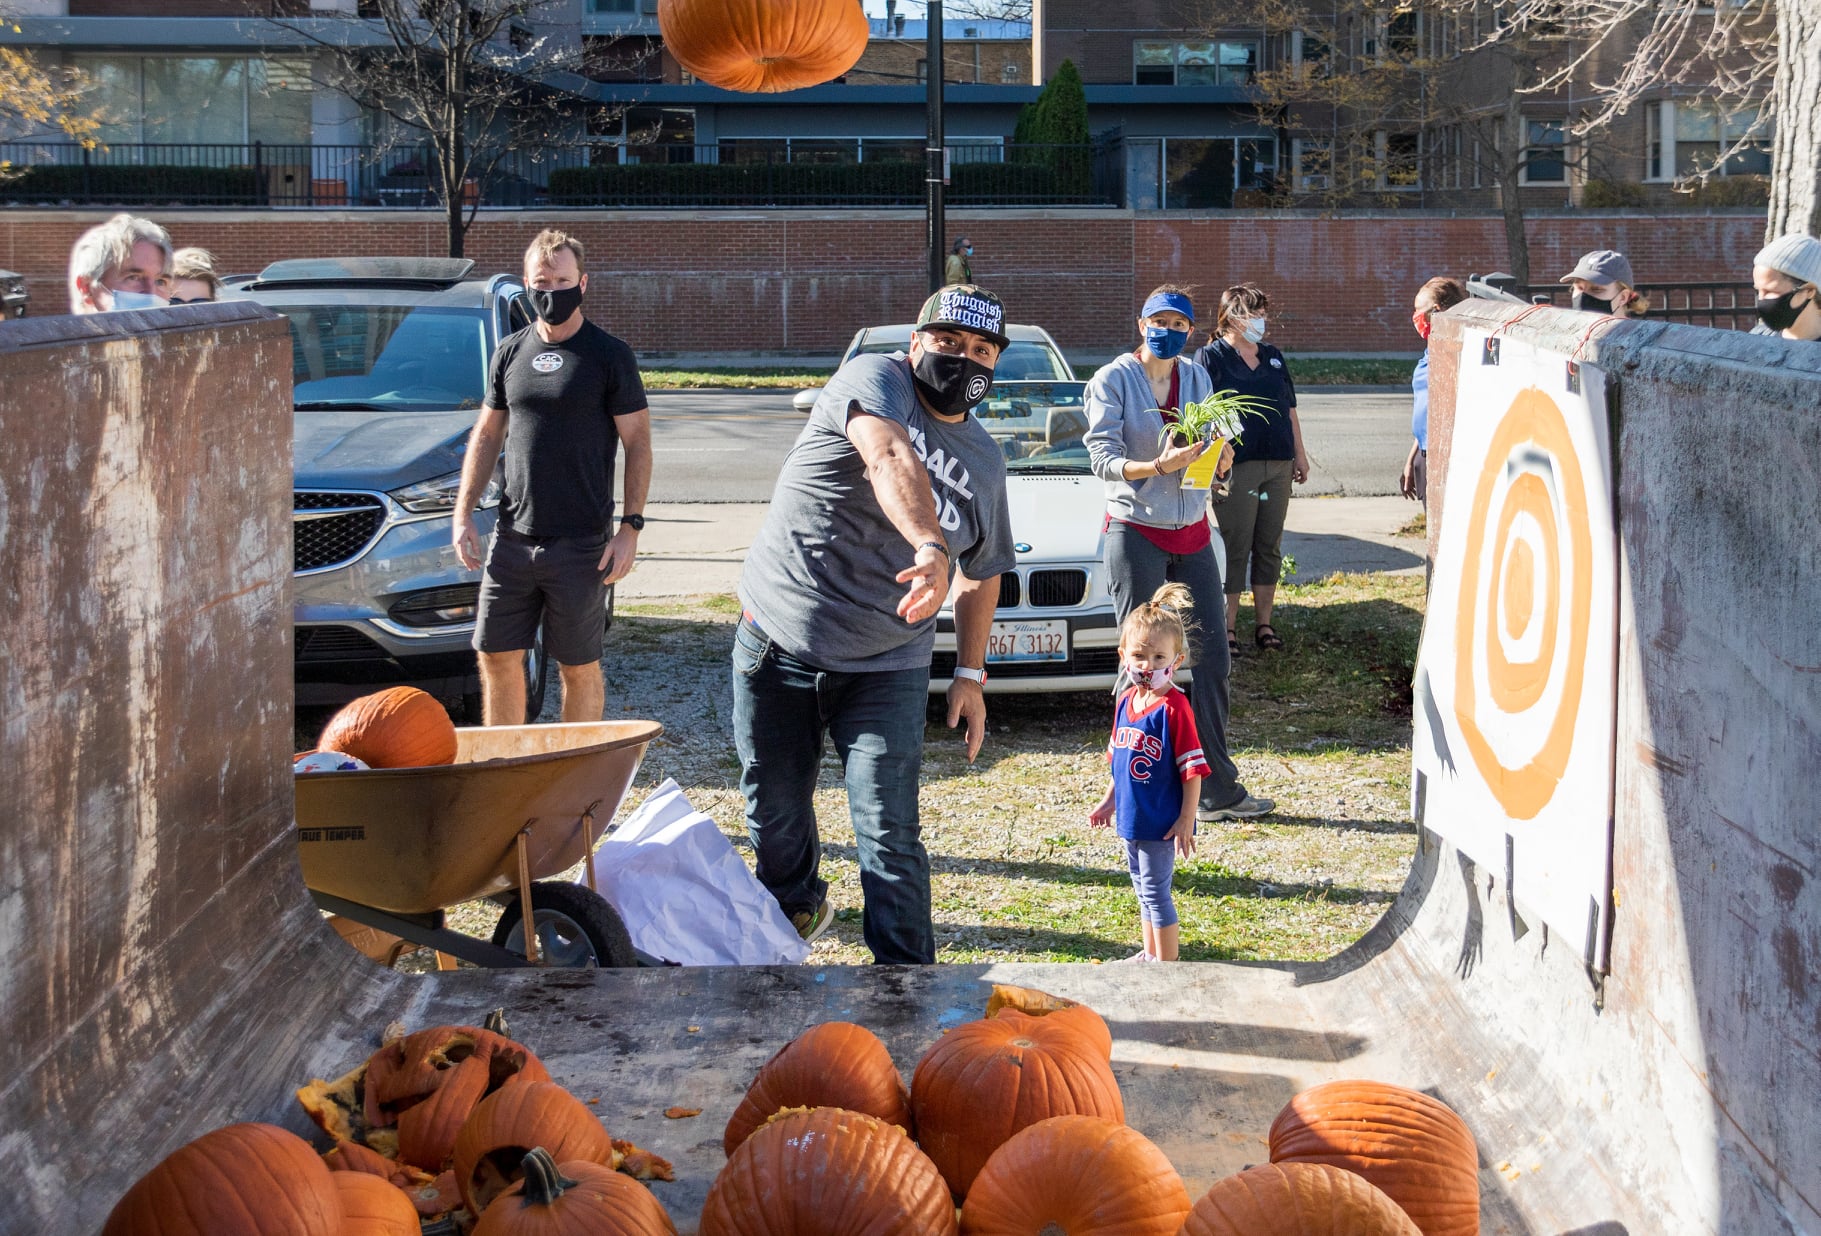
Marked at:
<point>1140,957</point>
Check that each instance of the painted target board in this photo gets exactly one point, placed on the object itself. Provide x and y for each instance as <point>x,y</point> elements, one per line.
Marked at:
<point>1515,689</point>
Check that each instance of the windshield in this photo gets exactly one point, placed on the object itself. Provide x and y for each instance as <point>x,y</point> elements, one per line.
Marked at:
<point>1039,426</point>
<point>1022,359</point>
<point>388,357</point>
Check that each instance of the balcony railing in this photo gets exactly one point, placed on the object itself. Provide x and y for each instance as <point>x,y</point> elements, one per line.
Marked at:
<point>733,173</point>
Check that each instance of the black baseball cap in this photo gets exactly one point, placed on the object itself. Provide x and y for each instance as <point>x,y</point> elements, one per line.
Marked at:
<point>965,306</point>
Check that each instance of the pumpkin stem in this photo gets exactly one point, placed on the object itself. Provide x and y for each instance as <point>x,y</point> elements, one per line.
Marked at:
<point>1052,1229</point>
<point>496,1022</point>
<point>543,1182</point>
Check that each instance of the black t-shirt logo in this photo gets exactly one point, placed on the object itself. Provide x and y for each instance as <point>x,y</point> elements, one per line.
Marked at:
<point>547,362</point>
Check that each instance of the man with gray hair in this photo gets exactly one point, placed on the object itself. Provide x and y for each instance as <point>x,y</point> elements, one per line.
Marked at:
<point>118,264</point>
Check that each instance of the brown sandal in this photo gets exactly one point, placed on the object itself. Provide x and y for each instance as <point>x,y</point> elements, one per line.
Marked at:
<point>1266,637</point>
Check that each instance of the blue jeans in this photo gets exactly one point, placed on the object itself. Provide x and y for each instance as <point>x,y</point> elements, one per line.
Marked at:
<point>783,708</point>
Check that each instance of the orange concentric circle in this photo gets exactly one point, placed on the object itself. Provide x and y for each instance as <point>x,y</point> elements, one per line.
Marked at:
<point>1532,433</point>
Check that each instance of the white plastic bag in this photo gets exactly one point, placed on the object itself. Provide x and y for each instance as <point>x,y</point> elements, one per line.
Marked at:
<point>684,892</point>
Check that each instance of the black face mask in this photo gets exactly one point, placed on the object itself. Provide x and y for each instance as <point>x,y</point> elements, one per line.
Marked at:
<point>1590,304</point>
<point>556,305</point>
<point>952,384</point>
<point>1778,313</point>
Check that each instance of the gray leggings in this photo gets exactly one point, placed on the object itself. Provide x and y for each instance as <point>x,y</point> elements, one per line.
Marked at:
<point>1252,521</point>
<point>1151,864</point>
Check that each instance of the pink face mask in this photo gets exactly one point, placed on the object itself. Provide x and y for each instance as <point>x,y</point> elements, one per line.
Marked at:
<point>1420,320</point>
<point>1151,679</point>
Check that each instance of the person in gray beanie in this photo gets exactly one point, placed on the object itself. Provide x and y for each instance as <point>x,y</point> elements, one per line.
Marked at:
<point>1787,277</point>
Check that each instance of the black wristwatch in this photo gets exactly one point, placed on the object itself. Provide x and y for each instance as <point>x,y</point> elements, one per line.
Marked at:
<point>635,522</point>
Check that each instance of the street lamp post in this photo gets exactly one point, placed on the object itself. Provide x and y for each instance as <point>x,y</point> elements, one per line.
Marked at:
<point>935,153</point>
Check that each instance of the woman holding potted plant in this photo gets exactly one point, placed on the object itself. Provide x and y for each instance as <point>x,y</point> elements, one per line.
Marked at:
<point>1149,414</point>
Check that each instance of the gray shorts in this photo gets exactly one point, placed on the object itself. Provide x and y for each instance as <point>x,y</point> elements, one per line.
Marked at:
<point>555,580</point>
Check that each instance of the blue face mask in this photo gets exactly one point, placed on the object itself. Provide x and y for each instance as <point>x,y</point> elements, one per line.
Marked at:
<point>1255,330</point>
<point>137,300</point>
<point>1165,343</point>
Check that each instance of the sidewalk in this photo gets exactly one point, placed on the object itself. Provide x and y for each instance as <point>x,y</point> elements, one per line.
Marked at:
<point>690,548</point>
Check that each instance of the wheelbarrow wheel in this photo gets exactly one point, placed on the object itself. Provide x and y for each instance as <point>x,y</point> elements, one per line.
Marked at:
<point>576,929</point>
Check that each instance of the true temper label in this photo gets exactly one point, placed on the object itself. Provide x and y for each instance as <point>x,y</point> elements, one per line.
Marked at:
<point>970,312</point>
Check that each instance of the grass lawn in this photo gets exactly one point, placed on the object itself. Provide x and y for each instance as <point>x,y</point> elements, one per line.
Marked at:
<point>1308,373</point>
<point>1019,874</point>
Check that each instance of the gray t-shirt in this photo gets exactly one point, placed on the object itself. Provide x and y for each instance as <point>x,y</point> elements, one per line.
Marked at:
<point>821,578</point>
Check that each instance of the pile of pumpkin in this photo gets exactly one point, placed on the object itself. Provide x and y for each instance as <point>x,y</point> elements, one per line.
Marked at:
<point>1017,1119</point>
<point>400,727</point>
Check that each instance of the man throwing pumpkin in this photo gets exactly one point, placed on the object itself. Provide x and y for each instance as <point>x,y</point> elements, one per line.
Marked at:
<point>572,394</point>
<point>891,485</point>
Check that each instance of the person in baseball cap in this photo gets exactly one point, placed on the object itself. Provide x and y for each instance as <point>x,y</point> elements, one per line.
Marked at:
<point>1787,276</point>
<point>1603,284</point>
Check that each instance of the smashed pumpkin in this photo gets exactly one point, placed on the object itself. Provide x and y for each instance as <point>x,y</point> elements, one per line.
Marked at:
<point>835,1064</point>
<point>1035,1003</point>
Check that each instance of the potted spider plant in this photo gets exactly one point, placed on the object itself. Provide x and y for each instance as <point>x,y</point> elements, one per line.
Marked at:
<point>1215,420</point>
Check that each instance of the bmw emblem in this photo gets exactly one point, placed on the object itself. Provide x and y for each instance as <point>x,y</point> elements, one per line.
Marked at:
<point>1022,547</point>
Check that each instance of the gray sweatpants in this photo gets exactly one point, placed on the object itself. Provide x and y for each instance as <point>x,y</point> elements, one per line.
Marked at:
<point>1135,570</point>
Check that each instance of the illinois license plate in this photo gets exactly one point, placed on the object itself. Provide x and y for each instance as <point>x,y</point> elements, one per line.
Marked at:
<point>1029,641</point>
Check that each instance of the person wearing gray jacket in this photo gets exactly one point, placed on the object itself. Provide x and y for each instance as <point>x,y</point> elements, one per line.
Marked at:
<point>1156,530</point>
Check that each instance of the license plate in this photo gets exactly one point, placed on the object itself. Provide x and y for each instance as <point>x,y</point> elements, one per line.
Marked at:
<point>1028,641</point>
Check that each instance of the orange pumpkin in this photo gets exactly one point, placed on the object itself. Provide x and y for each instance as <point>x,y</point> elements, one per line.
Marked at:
<point>985,1080</point>
<point>514,1121</point>
<point>764,45</point>
<point>1078,1176</point>
<point>577,1198</point>
<point>835,1064</point>
<point>374,1207</point>
<point>403,1085</point>
<point>400,727</point>
<point>353,1157</point>
<point>242,1180</point>
<point>828,1172</point>
<point>1411,1146</point>
<point>1296,1199</point>
<point>1034,1003</point>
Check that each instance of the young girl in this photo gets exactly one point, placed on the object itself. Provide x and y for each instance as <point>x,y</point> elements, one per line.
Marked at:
<point>1157,763</point>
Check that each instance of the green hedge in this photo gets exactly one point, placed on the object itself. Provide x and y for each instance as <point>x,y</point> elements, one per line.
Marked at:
<point>784,184</point>
<point>125,185</point>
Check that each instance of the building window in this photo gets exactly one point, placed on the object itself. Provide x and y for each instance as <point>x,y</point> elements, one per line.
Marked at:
<point>200,100</point>
<point>1700,133</point>
<point>1309,54</point>
<point>1403,34</point>
<point>1312,160</point>
<point>1011,72</point>
<point>923,72</point>
<point>1545,153</point>
<point>1202,173</point>
<point>1402,166</point>
<point>1217,63</point>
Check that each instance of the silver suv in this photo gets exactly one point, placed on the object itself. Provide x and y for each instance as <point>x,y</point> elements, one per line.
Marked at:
<point>389,370</point>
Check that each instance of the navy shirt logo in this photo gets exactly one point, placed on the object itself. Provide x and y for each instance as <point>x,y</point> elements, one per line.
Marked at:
<point>1276,364</point>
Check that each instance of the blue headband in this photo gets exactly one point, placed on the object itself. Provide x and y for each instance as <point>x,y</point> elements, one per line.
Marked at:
<point>1162,302</point>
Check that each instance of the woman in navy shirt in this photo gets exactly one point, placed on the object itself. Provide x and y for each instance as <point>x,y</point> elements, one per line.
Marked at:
<point>1267,457</point>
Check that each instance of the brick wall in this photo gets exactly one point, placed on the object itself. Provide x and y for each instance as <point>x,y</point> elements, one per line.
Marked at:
<point>803,281</point>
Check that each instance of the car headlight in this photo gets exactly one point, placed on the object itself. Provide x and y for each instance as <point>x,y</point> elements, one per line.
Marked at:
<point>439,494</point>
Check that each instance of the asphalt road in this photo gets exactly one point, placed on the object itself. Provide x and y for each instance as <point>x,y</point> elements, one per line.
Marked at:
<point>727,446</point>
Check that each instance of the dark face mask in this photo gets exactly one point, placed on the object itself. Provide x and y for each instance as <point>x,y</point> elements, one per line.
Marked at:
<point>1591,304</point>
<point>951,384</point>
<point>1778,312</point>
<point>555,306</point>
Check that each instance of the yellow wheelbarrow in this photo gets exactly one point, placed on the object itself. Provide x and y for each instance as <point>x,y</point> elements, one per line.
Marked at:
<point>390,849</point>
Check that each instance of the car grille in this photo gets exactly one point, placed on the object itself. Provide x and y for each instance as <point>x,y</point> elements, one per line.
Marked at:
<point>1008,590</point>
<point>335,644</point>
<point>322,539</point>
<point>1053,589</point>
<point>1085,661</point>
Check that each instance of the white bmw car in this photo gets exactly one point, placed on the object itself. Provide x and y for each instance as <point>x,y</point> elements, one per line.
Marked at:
<point>1054,630</point>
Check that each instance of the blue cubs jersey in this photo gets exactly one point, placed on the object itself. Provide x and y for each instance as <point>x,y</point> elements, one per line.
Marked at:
<point>1152,752</point>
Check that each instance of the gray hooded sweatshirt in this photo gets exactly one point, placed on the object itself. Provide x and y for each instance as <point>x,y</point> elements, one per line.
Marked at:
<point>1124,423</point>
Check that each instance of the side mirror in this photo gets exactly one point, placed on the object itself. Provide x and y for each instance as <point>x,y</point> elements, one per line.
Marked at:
<point>805,400</point>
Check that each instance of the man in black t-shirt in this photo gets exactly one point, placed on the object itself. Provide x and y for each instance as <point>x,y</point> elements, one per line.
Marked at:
<point>571,393</point>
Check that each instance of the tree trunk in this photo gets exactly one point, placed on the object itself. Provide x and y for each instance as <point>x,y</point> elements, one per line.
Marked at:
<point>1511,175</point>
<point>1795,178</point>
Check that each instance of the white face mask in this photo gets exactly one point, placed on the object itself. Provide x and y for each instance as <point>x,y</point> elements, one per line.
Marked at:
<point>136,300</point>
<point>1150,679</point>
<point>1255,330</point>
